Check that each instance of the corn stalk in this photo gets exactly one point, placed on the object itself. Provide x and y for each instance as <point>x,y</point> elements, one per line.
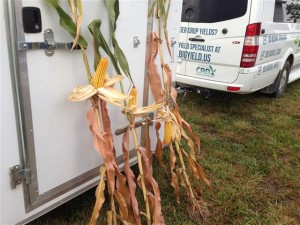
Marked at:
<point>100,91</point>
<point>174,131</point>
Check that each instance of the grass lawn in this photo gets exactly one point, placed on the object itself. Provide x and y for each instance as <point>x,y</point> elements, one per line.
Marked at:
<point>250,152</point>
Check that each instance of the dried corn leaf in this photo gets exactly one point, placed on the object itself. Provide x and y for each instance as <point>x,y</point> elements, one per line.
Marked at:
<point>111,81</point>
<point>141,111</point>
<point>168,11</point>
<point>130,178</point>
<point>109,100</point>
<point>124,221</point>
<point>196,169</point>
<point>122,188</point>
<point>152,184</point>
<point>107,127</point>
<point>112,94</point>
<point>79,6</point>
<point>82,93</point>
<point>202,175</point>
<point>147,142</point>
<point>192,147</point>
<point>102,144</point>
<point>73,8</point>
<point>194,136</point>
<point>174,96</point>
<point>159,148</point>
<point>122,205</point>
<point>190,144</point>
<point>186,125</point>
<point>78,31</point>
<point>153,75</point>
<point>198,189</point>
<point>167,41</point>
<point>174,179</point>
<point>109,215</point>
<point>168,73</point>
<point>99,197</point>
<point>180,179</point>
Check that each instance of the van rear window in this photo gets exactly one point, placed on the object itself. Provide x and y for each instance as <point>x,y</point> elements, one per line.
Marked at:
<point>211,11</point>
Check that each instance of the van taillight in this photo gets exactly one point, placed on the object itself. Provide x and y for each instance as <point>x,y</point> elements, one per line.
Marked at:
<point>253,29</point>
<point>251,44</point>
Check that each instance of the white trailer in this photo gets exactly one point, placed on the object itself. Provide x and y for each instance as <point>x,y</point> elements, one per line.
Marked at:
<point>47,157</point>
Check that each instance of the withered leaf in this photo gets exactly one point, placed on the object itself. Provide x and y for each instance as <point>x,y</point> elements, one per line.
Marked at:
<point>153,75</point>
<point>99,197</point>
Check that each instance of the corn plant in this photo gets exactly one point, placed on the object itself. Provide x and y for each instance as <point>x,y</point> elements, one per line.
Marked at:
<point>175,126</point>
<point>100,90</point>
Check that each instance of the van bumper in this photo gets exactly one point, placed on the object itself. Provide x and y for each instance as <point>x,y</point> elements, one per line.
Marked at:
<point>242,84</point>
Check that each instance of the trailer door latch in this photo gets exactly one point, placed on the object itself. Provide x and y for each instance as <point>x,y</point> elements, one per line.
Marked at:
<point>49,44</point>
<point>17,175</point>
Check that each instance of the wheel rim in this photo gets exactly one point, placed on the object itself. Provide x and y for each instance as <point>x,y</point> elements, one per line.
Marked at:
<point>282,80</point>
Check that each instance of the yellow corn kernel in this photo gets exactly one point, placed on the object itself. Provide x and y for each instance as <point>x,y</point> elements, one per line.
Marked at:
<point>168,133</point>
<point>99,76</point>
<point>133,94</point>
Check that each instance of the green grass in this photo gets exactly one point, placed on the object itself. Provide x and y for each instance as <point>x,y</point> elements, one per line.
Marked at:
<point>251,154</point>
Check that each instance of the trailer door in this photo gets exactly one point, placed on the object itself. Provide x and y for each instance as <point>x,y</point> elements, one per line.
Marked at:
<point>58,154</point>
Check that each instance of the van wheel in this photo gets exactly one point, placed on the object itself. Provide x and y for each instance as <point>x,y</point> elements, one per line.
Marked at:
<point>282,81</point>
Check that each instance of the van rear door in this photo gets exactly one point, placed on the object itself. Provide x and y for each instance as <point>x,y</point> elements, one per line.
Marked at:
<point>212,35</point>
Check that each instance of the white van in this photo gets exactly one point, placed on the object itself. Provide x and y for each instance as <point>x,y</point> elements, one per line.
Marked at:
<point>238,46</point>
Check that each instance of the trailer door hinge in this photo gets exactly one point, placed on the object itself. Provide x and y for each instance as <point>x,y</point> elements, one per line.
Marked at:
<point>49,44</point>
<point>18,174</point>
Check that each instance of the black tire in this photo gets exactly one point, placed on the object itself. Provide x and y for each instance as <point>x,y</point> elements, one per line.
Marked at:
<point>282,80</point>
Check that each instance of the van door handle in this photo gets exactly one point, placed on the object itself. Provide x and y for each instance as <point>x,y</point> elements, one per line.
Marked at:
<point>197,39</point>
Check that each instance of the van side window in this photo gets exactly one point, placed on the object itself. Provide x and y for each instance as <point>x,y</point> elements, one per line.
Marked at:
<point>211,11</point>
<point>286,11</point>
<point>279,12</point>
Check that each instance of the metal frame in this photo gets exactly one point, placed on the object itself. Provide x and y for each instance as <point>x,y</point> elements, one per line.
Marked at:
<point>82,190</point>
<point>21,95</point>
<point>32,197</point>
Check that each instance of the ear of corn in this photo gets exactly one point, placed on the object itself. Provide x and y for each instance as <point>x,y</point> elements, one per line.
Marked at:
<point>168,133</point>
<point>133,94</point>
<point>99,76</point>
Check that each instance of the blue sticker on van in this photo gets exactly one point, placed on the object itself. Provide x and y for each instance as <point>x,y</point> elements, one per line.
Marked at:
<point>270,53</point>
<point>196,30</point>
<point>270,67</point>
<point>197,56</point>
<point>269,39</point>
<point>197,52</point>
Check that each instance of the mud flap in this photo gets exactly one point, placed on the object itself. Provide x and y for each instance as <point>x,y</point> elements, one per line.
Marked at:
<point>272,87</point>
